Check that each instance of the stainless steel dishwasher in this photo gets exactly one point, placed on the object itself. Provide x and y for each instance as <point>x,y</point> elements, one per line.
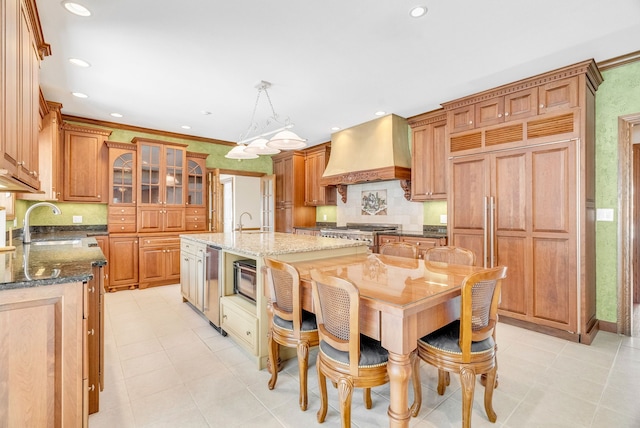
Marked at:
<point>212,285</point>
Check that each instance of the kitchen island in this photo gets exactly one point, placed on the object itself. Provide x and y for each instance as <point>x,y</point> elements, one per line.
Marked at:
<point>51,332</point>
<point>244,320</point>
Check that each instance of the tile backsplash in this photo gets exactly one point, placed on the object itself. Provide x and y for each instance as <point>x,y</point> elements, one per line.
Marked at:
<point>398,211</point>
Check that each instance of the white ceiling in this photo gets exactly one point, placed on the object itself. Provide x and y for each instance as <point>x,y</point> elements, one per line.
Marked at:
<point>331,63</point>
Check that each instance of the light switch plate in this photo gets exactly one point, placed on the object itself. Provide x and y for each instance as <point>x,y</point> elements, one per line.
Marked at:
<point>77,219</point>
<point>604,214</point>
<point>443,218</point>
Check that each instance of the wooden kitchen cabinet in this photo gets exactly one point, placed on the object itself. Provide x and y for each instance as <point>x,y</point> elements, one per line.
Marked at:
<point>103,243</point>
<point>49,154</point>
<point>429,156</point>
<point>524,197</point>
<point>43,386</point>
<point>196,205</point>
<point>315,162</point>
<point>290,211</point>
<point>85,157</point>
<point>123,266</point>
<point>161,176</point>
<point>423,244</point>
<point>122,187</point>
<point>22,47</point>
<point>159,260</point>
<point>95,335</point>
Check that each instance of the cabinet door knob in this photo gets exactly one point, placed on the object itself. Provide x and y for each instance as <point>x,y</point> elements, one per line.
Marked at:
<point>500,114</point>
<point>541,105</point>
<point>91,332</point>
<point>471,122</point>
<point>92,388</point>
<point>506,113</point>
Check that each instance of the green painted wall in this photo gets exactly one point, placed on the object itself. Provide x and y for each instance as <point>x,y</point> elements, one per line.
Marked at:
<point>331,213</point>
<point>619,95</point>
<point>92,214</point>
<point>432,212</point>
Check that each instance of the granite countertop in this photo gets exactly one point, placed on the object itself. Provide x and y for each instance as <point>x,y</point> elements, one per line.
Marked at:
<point>34,265</point>
<point>260,244</point>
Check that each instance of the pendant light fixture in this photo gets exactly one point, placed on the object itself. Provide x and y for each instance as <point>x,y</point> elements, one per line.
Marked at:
<point>284,138</point>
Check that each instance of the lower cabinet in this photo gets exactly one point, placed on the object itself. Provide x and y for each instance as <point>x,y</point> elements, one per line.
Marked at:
<point>95,336</point>
<point>159,260</point>
<point>423,243</point>
<point>192,275</point>
<point>238,319</point>
<point>42,386</point>
<point>123,262</point>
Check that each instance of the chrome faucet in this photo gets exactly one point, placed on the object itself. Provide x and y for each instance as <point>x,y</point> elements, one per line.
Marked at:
<point>26,233</point>
<point>240,220</point>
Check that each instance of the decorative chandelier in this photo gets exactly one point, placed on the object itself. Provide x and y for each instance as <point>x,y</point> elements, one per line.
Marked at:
<point>253,142</point>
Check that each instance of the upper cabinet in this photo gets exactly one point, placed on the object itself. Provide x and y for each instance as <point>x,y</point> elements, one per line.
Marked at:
<point>429,156</point>
<point>122,187</point>
<point>85,156</point>
<point>196,215</point>
<point>22,47</point>
<point>290,211</point>
<point>161,185</point>
<point>316,160</point>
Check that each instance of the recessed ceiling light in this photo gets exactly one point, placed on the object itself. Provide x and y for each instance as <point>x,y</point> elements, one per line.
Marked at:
<point>76,9</point>
<point>116,115</point>
<point>381,113</point>
<point>418,11</point>
<point>205,112</point>
<point>336,128</point>
<point>80,95</point>
<point>79,62</point>
<point>185,127</point>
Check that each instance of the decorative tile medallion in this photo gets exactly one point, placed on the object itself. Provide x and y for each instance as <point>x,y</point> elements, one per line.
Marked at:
<point>374,202</point>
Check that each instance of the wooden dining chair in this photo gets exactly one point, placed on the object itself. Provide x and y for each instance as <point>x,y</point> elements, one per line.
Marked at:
<point>451,255</point>
<point>468,345</point>
<point>400,249</point>
<point>290,325</point>
<point>349,359</point>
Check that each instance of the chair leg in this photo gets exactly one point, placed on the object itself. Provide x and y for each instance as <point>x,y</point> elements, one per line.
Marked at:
<point>274,355</point>
<point>488,394</point>
<point>468,381</point>
<point>366,396</point>
<point>443,381</point>
<point>345,391</point>
<point>417,386</point>
<point>303,365</point>
<point>322,384</point>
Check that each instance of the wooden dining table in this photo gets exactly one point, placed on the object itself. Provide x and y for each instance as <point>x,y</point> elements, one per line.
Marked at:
<point>401,300</point>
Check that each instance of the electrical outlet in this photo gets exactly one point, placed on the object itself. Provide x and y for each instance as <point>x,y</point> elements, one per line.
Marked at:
<point>77,219</point>
<point>15,222</point>
<point>443,218</point>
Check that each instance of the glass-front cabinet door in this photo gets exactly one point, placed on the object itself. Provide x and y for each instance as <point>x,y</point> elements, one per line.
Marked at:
<point>196,191</point>
<point>122,187</point>
<point>161,188</point>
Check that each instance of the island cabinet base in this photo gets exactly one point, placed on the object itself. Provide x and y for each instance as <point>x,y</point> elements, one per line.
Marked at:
<point>43,356</point>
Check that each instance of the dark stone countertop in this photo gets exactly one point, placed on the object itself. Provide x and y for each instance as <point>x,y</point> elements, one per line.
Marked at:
<point>33,265</point>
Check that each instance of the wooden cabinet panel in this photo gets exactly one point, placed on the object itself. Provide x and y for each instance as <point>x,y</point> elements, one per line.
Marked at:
<point>290,210</point>
<point>85,160</point>
<point>159,260</point>
<point>315,162</point>
<point>558,95</point>
<point>429,157</point>
<point>423,244</point>
<point>461,118</point>
<point>196,214</point>
<point>121,219</point>
<point>11,89</point>
<point>520,105</point>
<point>43,386</point>
<point>123,269</point>
<point>385,239</point>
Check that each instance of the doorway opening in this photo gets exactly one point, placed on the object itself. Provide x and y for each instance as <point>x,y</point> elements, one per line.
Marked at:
<point>628,322</point>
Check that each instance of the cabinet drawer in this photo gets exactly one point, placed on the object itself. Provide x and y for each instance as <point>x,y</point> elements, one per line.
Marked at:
<point>240,325</point>
<point>159,241</point>
<point>384,239</point>
<point>116,211</point>
<point>115,227</point>
<point>196,225</point>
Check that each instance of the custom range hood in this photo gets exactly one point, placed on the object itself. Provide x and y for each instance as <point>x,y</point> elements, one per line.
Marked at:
<point>373,151</point>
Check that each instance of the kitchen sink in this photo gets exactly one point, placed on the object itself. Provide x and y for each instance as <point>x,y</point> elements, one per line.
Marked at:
<point>60,242</point>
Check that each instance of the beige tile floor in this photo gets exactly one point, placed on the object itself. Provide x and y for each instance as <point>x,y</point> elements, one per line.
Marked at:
<point>166,367</point>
